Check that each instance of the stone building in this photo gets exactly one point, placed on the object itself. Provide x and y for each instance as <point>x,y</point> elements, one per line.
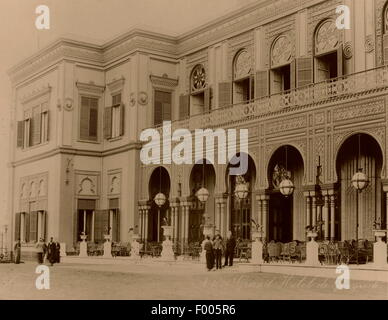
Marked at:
<point>312,97</point>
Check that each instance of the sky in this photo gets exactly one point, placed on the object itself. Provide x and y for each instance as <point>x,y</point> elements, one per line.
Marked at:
<point>96,21</point>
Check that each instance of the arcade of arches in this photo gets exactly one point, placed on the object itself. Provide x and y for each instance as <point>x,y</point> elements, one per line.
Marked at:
<point>331,209</point>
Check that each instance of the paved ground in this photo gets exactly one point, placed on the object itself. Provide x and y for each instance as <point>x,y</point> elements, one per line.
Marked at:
<point>159,281</point>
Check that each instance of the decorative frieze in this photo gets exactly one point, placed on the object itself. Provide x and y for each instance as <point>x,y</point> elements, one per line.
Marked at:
<point>359,111</point>
<point>283,125</point>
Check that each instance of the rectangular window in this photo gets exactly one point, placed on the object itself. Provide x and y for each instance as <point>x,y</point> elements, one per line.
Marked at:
<point>162,107</point>
<point>114,219</point>
<point>89,119</point>
<point>114,118</point>
<point>280,79</point>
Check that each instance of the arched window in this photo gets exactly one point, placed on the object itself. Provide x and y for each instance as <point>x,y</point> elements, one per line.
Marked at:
<point>328,53</point>
<point>243,80</point>
<point>282,71</point>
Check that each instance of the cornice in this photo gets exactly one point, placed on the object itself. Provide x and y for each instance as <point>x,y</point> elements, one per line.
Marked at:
<point>246,18</point>
<point>163,81</point>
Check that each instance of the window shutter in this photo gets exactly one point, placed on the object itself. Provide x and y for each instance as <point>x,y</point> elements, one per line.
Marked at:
<point>35,133</point>
<point>108,123</point>
<point>262,83</point>
<point>207,98</point>
<point>47,125</point>
<point>385,48</point>
<point>101,221</point>
<point>184,106</point>
<point>304,71</point>
<point>122,119</point>
<point>20,134</point>
<point>116,225</point>
<point>84,119</point>
<point>293,74</point>
<point>93,119</point>
<point>44,227</point>
<point>340,58</point>
<point>17,226</point>
<point>224,94</point>
<point>84,204</point>
<point>251,87</point>
<point>33,226</point>
<point>158,110</point>
<point>27,227</point>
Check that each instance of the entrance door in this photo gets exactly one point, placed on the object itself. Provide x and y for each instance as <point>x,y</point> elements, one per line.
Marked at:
<point>280,218</point>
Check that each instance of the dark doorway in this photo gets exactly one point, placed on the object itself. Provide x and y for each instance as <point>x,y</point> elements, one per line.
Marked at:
<point>280,218</point>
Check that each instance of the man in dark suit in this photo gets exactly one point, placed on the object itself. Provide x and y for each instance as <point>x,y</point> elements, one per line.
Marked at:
<point>229,250</point>
<point>51,251</point>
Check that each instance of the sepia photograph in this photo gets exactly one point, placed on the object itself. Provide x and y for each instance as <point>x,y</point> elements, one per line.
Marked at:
<point>177,151</point>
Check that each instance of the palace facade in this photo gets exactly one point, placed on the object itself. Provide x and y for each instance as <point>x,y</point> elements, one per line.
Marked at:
<point>313,98</point>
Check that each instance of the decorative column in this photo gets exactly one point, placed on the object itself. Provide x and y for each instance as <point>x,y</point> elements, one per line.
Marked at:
<point>326,214</point>
<point>308,208</point>
<point>259,210</point>
<point>313,208</point>
<point>332,216</point>
<point>218,216</point>
<point>141,222</point>
<point>187,212</point>
<point>265,200</point>
<point>146,214</point>
<point>176,223</point>
<point>224,217</point>
<point>182,227</point>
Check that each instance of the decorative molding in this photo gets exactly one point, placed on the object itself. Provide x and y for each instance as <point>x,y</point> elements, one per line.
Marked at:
<point>369,43</point>
<point>90,87</point>
<point>143,98</point>
<point>68,105</point>
<point>281,51</point>
<point>132,99</point>
<point>360,110</point>
<point>116,85</point>
<point>163,81</point>
<point>348,50</point>
<point>36,93</point>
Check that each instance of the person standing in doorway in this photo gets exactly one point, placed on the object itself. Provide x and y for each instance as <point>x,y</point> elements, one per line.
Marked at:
<point>229,251</point>
<point>17,251</point>
<point>40,250</point>
<point>51,251</point>
<point>57,252</point>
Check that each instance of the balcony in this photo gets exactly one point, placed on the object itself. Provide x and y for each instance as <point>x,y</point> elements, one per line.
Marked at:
<point>341,88</point>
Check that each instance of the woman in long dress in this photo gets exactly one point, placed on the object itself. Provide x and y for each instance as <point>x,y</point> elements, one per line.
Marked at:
<point>17,251</point>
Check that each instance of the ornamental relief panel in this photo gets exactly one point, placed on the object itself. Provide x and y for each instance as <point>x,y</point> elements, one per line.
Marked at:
<point>359,111</point>
<point>381,27</point>
<point>286,125</point>
<point>87,184</point>
<point>243,65</point>
<point>327,37</point>
<point>281,51</point>
<point>114,182</point>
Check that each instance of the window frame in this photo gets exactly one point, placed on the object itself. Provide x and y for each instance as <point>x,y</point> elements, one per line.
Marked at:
<point>89,96</point>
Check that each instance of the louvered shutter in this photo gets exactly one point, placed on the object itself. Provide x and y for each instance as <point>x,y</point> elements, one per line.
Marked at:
<point>108,123</point>
<point>293,74</point>
<point>17,226</point>
<point>27,227</point>
<point>20,134</point>
<point>122,119</point>
<point>44,226</point>
<point>385,48</point>
<point>93,119</point>
<point>84,204</point>
<point>116,225</point>
<point>36,128</point>
<point>340,59</point>
<point>224,94</point>
<point>304,71</point>
<point>262,83</point>
<point>251,87</point>
<point>33,226</point>
<point>184,106</point>
<point>166,107</point>
<point>84,119</point>
<point>158,109</point>
<point>207,98</point>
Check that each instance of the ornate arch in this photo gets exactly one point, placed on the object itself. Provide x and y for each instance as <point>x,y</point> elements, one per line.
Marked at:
<point>149,175</point>
<point>281,51</point>
<point>242,64</point>
<point>326,37</point>
<point>271,151</point>
<point>342,138</point>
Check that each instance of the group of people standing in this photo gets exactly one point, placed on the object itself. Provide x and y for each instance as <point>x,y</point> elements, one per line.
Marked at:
<point>49,251</point>
<point>216,248</point>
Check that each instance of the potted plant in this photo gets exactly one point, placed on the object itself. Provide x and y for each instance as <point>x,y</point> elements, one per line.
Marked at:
<point>312,232</point>
<point>378,229</point>
<point>167,228</point>
<point>257,230</point>
<point>83,236</point>
<point>107,235</point>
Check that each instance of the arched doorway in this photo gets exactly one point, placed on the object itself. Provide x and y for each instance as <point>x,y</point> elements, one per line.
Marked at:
<point>241,210</point>
<point>159,182</point>
<point>359,152</point>
<point>286,219</point>
<point>202,174</point>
